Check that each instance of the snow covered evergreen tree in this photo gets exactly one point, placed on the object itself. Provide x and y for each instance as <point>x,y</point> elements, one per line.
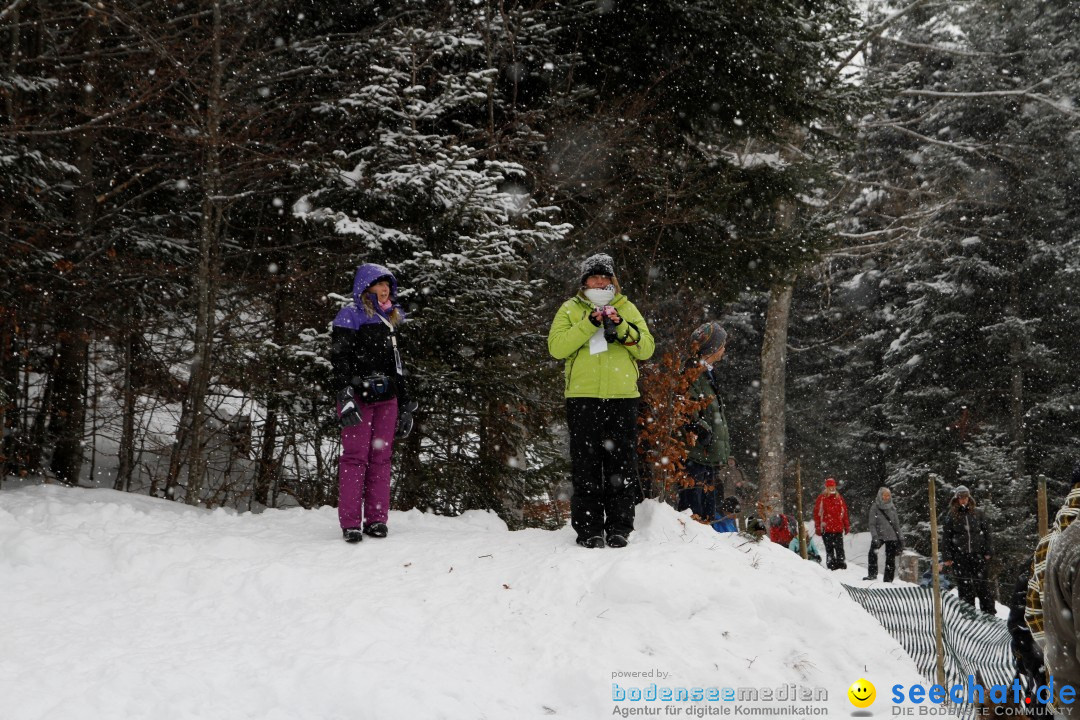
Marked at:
<point>970,320</point>
<point>704,135</point>
<point>418,178</point>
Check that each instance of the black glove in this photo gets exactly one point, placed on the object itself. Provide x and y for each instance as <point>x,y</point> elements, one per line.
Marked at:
<point>701,430</point>
<point>349,411</point>
<point>405,419</point>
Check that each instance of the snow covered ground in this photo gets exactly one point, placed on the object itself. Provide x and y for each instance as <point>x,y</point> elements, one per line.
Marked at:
<point>119,607</point>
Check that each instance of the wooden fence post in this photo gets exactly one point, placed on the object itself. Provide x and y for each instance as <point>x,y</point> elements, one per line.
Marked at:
<point>799,508</point>
<point>1044,513</point>
<point>938,622</point>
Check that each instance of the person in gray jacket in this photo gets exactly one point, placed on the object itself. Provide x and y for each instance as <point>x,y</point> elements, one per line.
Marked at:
<point>884,530</point>
<point>1061,617</point>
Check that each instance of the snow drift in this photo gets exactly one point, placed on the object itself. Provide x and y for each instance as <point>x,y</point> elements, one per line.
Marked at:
<point>121,606</point>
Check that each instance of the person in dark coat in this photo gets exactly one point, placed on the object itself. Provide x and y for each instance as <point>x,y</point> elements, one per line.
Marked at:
<point>711,446</point>
<point>967,548</point>
<point>884,530</point>
<point>373,404</point>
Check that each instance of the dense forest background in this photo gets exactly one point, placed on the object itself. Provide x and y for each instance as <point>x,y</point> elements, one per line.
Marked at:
<point>879,202</point>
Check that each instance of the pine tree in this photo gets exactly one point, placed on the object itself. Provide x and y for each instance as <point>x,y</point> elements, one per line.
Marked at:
<point>418,181</point>
<point>704,137</point>
<point>970,317</point>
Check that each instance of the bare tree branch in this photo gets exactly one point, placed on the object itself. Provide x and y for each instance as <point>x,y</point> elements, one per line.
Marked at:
<point>996,93</point>
<point>948,50</point>
<point>964,147</point>
<point>11,8</point>
<point>874,32</point>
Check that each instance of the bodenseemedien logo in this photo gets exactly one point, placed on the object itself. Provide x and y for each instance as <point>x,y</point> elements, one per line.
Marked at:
<point>783,701</point>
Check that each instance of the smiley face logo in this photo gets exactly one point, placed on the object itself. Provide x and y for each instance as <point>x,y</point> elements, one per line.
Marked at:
<point>862,693</point>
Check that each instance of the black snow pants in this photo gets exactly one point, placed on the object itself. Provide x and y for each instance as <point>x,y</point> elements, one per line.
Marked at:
<point>969,572</point>
<point>603,442</point>
<point>892,547</point>
<point>834,550</point>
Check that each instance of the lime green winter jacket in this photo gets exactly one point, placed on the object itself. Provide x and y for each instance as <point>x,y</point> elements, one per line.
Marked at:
<point>608,375</point>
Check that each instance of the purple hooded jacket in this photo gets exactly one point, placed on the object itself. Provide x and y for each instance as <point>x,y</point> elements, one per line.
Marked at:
<point>353,316</point>
<point>361,344</point>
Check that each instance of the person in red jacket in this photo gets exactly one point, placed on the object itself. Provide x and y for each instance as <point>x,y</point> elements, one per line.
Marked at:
<point>780,529</point>
<point>832,523</point>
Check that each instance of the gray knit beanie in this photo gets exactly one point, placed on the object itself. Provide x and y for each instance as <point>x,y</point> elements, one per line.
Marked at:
<point>598,264</point>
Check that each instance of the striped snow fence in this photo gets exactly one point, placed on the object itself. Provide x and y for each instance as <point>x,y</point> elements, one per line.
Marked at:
<point>973,641</point>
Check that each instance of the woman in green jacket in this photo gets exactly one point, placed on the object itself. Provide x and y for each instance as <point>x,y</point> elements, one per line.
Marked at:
<point>601,336</point>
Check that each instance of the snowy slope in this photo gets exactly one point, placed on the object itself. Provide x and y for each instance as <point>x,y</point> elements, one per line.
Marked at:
<point>118,606</point>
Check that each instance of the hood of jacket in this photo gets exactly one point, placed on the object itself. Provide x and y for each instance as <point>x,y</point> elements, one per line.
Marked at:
<point>880,501</point>
<point>369,273</point>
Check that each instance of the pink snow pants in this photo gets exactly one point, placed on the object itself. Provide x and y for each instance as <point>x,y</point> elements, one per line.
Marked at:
<point>364,466</point>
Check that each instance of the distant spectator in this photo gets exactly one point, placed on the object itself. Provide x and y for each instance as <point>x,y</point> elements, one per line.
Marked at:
<point>731,480</point>
<point>726,518</point>
<point>967,549</point>
<point>831,522</point>
<point>927,580</point>
<point>781,529</point>
<point>884,530</point>
<point>755,526</point>
<point>709,446</point>
<point>811,551</point>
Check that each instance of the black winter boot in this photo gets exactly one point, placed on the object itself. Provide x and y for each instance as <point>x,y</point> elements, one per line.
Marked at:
<point>375,530</point>
<point>591,542</point>
<point>352,535</point>
<point>617,541</point>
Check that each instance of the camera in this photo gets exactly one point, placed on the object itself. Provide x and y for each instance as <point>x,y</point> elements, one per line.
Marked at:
<point>609,324</point>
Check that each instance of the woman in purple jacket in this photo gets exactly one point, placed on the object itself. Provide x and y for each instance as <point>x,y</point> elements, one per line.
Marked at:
<point>372,401</point>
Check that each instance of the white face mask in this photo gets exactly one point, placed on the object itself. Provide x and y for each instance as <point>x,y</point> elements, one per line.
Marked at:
<point>601,296</point>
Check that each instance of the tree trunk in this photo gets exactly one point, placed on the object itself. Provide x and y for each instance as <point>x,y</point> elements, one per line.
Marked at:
<point>9,390</point>
<point>69,399</point>
<point>1016,390</point>
<point>206,282</point>
<point>9,367</point>
<point>176,455</point>
<point>68,405</point>
<point>773,398</point>
<point>90,392</point>
<point>267,469</point>
<point>35,440</point>
<point>499,460</point>
<point>127,420</point>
